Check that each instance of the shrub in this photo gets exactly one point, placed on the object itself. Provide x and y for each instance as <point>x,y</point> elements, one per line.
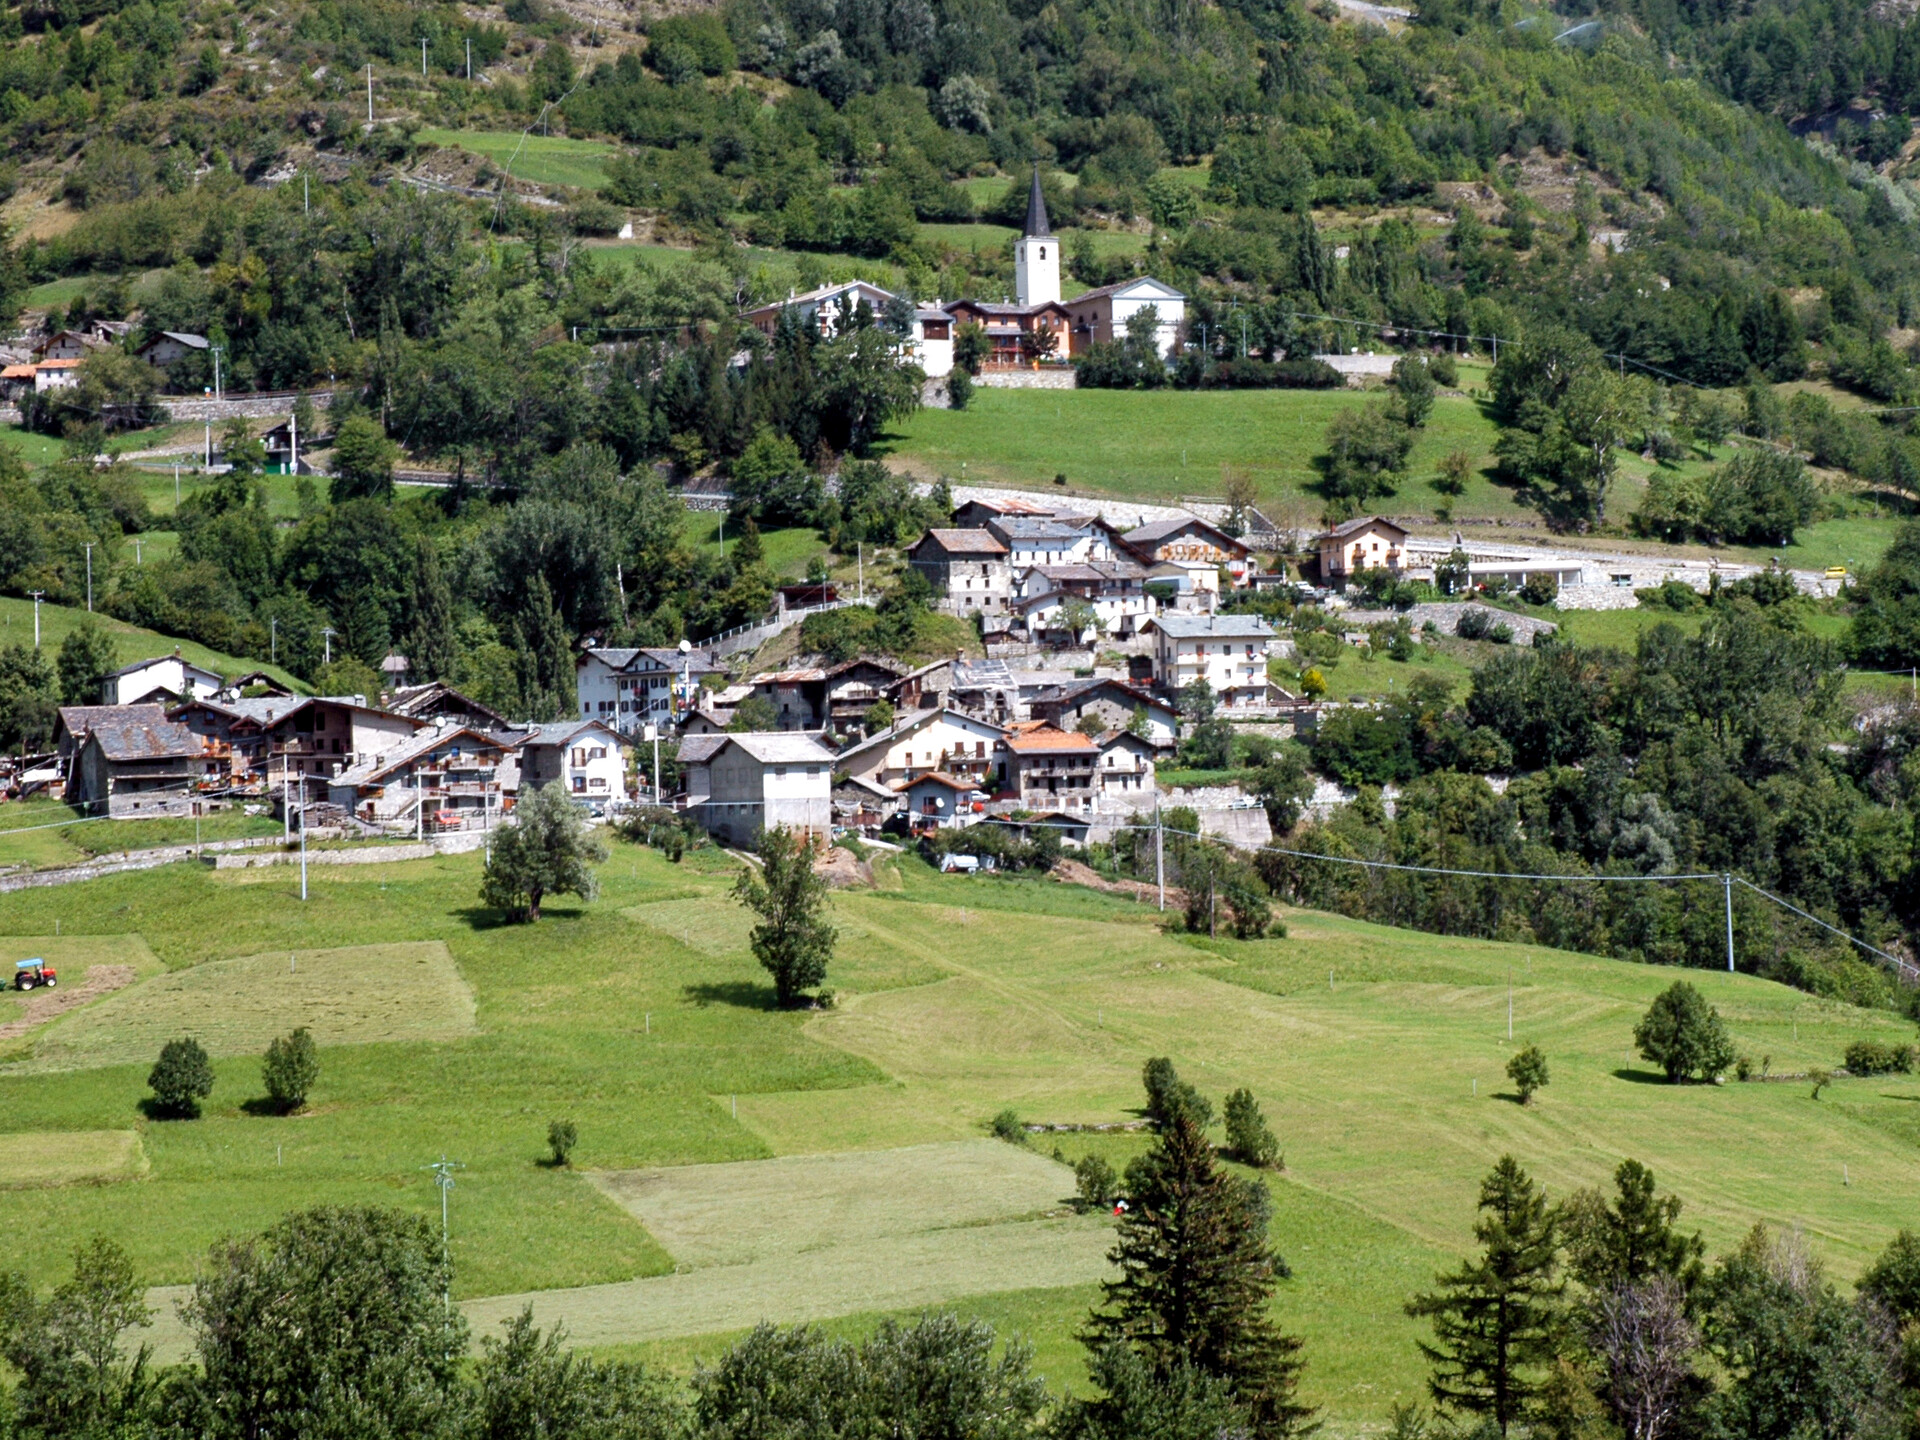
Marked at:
<point>1821,1080</point>
<point>1444,369</point>
<point>1095,1182</point>
<point>1168,1095</point>
<point>562,1136</point>
<point>1006,1126</point>
<point>959,389</point>
<point>1247,1134</point>
<point>1540,589</point>
<point>181,1078</point>
<point>1528,1072</point>
<point>1474,624</point>
<point>291,1068</point>
<point>1684,1035</point>
<point>1867,1057</point>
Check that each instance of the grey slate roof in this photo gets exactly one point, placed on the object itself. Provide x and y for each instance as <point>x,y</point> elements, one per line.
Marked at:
<point>1359,523</point>
<point>1214,627</point>
<point>125,738</point>
<point>1037,223</point>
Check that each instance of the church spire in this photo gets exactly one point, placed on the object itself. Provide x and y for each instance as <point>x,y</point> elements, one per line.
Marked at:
<point>1036,208</point>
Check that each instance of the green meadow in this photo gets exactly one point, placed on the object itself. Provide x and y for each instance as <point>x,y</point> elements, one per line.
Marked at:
<point>1378,1055</point>
<point>541,159</point>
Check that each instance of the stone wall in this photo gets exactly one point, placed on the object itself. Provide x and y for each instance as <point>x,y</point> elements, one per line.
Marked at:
<point>1597,597</point>
<point>1053,378</point>
<point>231,407</point>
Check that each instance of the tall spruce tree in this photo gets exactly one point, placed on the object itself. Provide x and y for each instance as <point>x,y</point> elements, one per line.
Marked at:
<point>1497,1320</point>
<point>430,647</point>
<point>1197,1278</point>
<point>1633,1239</point>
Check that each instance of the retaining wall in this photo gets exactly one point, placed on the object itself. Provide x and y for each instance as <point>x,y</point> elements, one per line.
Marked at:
<point>1054,379</point>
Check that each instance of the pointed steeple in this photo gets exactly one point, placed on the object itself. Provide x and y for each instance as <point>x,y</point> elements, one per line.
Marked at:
<point>1036,209</point>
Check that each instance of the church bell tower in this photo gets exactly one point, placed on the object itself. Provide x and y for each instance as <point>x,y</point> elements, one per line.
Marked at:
<point>1036,257</point>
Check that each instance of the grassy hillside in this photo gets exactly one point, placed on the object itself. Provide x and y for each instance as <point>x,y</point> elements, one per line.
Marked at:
<point>130,641</point>
<point>542,159</point>
<point>1378,1055</point>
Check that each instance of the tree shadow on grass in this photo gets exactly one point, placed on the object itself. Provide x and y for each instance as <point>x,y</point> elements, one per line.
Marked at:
<point>154,1110</point>
<point>264,1107</point>
<point>1641,1077</point>
<point>742,994</point>
<point>484,917</point>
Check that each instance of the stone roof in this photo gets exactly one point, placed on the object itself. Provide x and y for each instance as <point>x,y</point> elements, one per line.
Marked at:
<point>128,737</point>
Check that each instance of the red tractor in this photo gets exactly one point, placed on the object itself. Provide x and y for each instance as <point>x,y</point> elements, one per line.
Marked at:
<point>28,974</point>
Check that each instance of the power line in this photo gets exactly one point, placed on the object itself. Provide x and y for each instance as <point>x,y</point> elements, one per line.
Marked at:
<point>1904,968</point>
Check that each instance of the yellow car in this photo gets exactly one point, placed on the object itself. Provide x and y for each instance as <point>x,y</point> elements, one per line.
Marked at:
<point>1836,572</point>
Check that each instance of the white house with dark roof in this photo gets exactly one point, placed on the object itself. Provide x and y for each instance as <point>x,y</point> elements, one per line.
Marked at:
<point>586,758</point>
<point>1102,313</point>
<point>924,740</point>
<point>1052,539</point>
<point>168,675</point>
<point>1229,652</point>
<point>629,688</point>
<point>171,345</point>
<point>740,784</point>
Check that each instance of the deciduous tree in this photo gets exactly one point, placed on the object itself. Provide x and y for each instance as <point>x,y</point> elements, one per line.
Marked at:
<point>793,940</point>
<point>548,850</point>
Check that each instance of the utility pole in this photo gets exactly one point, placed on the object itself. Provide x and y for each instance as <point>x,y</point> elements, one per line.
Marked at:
<point>423,57</point>
<point>652,732</point>
<point>303,837</point>
<point>176,488</point>
<point>469,59</point>
<point>326,639</point>
<point>419,809</point>
<point>1159,856</point>
<point>36,616</point>
<point>293,444</point>
<point>369,92</point>
<point>443,1180</point>
<point>216,372</point>
<point>89,544</point>
<point>176,475</point>
<point>136,550</point>
<point>1727,879</point>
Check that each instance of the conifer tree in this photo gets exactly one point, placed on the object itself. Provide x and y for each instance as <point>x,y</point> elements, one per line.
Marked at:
<point>1196,1280</point>
<point>1632,1240</point>
<point>1497,1319</point>
<point>430,648</point>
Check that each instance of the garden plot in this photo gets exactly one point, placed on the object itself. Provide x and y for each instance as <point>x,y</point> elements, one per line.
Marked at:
<point>353,996</point>
<point>41,1158</point>
<point>814,1236</point>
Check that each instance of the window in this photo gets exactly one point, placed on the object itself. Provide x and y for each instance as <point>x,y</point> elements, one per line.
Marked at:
<point>780,772</point>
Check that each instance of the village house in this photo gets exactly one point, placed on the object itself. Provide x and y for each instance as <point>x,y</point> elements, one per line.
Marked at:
<point>1052,539</point>
<point>833,697</point>
<point>55,375</point>
<point>738,785</point>
<point>968,568</point>
<point>437,700</point>
<point>132,765</point>
<point>586,758</point>
<point>981,511</point>
<point>277,740</point>
<point>1191,587</point>
<point>1052,769</point>
<point>994,690</point>
<point>73,345</point>
<point>1366,542</point>
<point>1116,591</point>
<point>926,740</point>
<point>170,346</point>
<point>833,309</point>
<point>1103,313</point>
<point>1229,652</point>
<point>633,688</point>
<point>923,689</point>
<point>168,676</point>
<point>445,771</point>
<point>938,801</point>
<point>1191,540</point>
<point>1126,765</point>
<point>1112,704</point>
